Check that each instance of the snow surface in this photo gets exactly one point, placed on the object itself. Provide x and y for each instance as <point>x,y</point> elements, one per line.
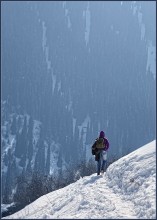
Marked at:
<point>126,191</point>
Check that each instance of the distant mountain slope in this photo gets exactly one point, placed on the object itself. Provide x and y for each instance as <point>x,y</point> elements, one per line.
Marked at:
<point>127,190</point>
<point>69,70</point>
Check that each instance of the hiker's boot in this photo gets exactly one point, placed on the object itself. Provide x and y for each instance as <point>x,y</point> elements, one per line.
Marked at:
<point>102,172</point>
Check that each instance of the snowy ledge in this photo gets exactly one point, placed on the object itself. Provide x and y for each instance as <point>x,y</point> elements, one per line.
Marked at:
<point>126,191</point>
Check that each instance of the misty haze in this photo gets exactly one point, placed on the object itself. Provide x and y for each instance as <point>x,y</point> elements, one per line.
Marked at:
<point>69,70</point>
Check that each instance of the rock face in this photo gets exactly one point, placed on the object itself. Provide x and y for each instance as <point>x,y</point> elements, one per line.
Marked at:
<point>69,70</point>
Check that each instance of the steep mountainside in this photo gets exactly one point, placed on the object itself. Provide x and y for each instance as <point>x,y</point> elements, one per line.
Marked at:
<point>69,70</point>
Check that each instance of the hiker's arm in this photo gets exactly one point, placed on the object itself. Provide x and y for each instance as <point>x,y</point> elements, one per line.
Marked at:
<point>107,144</point>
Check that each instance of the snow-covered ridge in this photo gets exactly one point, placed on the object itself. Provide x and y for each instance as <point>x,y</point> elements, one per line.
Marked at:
<point>127,190</point>
<point>135,179</point>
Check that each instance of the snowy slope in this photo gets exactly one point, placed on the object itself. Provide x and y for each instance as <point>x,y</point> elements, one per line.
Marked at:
<point>127,190</point>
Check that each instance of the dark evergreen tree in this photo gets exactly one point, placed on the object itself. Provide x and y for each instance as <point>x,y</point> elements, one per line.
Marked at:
<point>30,138</point>
<point>13,126</point>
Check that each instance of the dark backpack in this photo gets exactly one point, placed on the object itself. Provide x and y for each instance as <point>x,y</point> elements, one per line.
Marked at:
<point>100,143</point>
<point>94,148</point>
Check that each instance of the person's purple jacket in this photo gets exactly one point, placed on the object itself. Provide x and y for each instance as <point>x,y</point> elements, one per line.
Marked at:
<point>102,135</point>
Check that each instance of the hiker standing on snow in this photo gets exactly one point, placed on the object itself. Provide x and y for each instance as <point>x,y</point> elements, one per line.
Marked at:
<point>99,149</point>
